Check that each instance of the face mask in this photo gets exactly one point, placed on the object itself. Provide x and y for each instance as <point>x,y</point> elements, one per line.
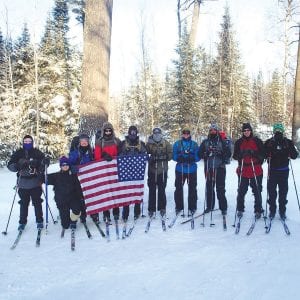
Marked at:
<point>27,146</point>
<point>157,137</point>
<point>278,136</point>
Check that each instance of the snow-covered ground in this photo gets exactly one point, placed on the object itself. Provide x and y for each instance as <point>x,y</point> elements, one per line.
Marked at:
<point>204,263</point>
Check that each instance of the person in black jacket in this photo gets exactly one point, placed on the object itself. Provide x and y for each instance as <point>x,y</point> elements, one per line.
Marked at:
<point>67,193</point>
<point>132,146</point>
<point>279,150</point>
<point>29,163</point>
<point>215,153</point>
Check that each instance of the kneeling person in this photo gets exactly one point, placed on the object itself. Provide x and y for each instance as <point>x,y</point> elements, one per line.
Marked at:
<point>67,193</point>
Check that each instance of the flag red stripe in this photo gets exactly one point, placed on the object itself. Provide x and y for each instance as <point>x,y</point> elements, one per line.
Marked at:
<point>87,179</point>
<point>98,184</point>
<point>111,190</point>
<point>124,196</point>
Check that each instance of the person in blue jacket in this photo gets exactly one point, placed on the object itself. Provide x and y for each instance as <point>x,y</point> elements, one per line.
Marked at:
<point>185,153</point>
<point>80,154</point>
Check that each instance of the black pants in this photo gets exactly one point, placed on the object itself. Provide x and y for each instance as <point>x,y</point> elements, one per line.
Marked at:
<point>159,182</point>
<point>256,189</point>
<point>280,179</point>
<point>116,213</point>
<point>64,213</point>
<point>180,179</point>
<point>216,178</point>
<point>35,195</point>
<point>137,211</point>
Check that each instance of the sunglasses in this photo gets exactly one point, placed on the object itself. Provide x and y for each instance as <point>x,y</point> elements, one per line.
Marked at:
<point>107,130</point>
<point>246,130</point>
<point>64,164</point>
<point>186,132</point>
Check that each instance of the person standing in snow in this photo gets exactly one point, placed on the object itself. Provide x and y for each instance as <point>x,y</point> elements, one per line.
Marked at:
<point>29,163</point>
<point>279,150</point>
<point>67,193</point>
<point>80,154</point>
<point>160,151</point>
<point>185,153</point>
<point>132,146</point>
<point>215,153</point>
<point>249,152</point>
<point>107,148</point>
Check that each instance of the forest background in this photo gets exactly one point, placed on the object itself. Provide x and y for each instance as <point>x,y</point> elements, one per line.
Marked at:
<point>228,73</point>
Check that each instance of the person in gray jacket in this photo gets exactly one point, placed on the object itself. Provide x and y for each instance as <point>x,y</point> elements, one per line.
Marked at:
<point>160,151</point>
<point>29,163</point>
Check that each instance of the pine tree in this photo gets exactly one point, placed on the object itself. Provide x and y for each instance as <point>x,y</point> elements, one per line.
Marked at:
<point>276,98</point>
<point>185,98</point>
<point>235,105</point>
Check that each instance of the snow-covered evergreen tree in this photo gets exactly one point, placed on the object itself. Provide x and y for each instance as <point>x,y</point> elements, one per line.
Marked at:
<point>235,103</point>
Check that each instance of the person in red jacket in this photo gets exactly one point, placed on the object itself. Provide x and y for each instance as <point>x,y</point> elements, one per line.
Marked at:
<point>106,148</point>
<point>249,151</point>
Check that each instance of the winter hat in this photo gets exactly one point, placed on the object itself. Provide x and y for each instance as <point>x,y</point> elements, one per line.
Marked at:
<point>27,136</point>
<point>132,130</point>
<point>157,134</point>
<point>278,127</point>
<point>246,126</point>
<point>107,125</point>
<point>64,161</point>
<point>84,136</point>
<point>186,130</point>
<point>107,135</point>
<point>156,130</point>
<point>214,126</point>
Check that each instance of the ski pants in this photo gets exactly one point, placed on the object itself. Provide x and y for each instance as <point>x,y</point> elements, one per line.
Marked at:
<point>64,213</point>
<point>280,179</point>
<point>157,182</point>
<point>256,189</point>
<point>180,179</point>
<point>35,195</point>
<point>216,178</point>
<point>116,213</point>
<point>137,211</point>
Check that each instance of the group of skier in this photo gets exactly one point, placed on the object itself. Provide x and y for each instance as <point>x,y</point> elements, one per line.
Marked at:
<point>250,152</point>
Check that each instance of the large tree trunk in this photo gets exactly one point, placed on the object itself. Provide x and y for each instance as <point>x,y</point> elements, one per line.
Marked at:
<point>296,111</point>
<point>96,63</point>
<point>195,22</point>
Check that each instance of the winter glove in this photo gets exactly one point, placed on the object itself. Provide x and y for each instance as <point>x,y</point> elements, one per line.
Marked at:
<point>247,152</point>
<point>181,159</point>
<point>23,163</point>
<point>106,156</point>
<point>33,163</point>
<point>191,159</point>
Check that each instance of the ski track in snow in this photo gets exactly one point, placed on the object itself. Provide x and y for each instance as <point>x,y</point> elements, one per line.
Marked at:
<point>204,263</point>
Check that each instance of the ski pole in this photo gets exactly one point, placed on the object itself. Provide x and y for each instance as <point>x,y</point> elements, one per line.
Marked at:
<point>213,184</point>
<point>258,192</point>
<point>295,184</point>
<point>182,184</point>
<point>46,196</point>
<point>54,221</point>
<point>205,200</point>
<point>12,205</point>
<point>268,179</point>
<point>239,184</point>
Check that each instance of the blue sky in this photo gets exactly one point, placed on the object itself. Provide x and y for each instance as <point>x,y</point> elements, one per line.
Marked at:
<point>252,22</point>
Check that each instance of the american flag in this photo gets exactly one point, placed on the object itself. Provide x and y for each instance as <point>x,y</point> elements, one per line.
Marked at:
<point>109,184</point>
